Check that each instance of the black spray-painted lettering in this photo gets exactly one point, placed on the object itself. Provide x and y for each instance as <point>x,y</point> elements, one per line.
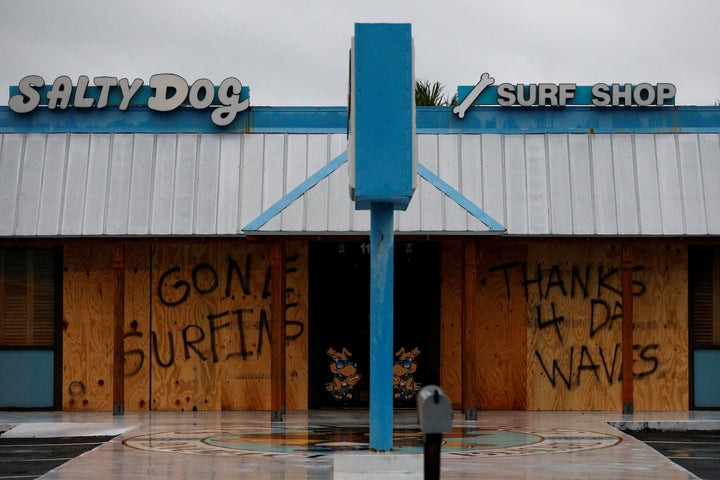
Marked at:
<point>546,285</point>
<point>570,372</point>
<point>201,340</point>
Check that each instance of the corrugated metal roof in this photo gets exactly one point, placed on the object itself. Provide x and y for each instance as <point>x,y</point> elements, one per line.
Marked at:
<point>144,184</point>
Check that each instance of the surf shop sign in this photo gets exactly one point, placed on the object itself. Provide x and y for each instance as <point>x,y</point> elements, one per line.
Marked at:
<point>164,92</point>
<point>485,92</point>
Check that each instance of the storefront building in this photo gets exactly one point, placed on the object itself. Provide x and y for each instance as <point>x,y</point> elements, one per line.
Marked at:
<point>156,260</point>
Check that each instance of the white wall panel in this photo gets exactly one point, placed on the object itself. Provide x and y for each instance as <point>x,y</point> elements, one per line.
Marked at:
<point>161,214</point>
<point>141,185</point>
<point>492,185</point>
<point>625,185</point>
<point>323,204</point>
<point>30,185</point>
<point>603,185</point>
<point>431,199</point>
<point>293,217</point>
<point>184,189</point>
<point>710,167</point>
<point>453,218</point>
<point>340,220</point>
<point>691,184</point>
<point>581,186</point>
<point>75,182</point>
<point>273,180</point>
<point>52,184</point>
<point>516,184</point>
<point>206,197</point>
<point>647,184</point>
<point>469,175</point>
<point>671,206</point>
<point>11,155</point>
<point>116,220</point>
<point>228,217</point>
<point>560,202</point>
<point>336,210</point>
<point>96,191</point>
<point>408,219</point>
<point>537,184</point>
<point>251,173</point>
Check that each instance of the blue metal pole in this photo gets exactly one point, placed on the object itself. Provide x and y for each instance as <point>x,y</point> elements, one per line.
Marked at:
<point>381,325</point>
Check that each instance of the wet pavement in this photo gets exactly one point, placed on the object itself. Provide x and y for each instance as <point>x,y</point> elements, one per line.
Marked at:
<point>27,458</point>
<point>334,444</point>
<point>696,451</point>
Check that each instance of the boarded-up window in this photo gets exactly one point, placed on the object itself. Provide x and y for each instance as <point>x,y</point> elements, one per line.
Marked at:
<point>27,298</point>
<point>705,296</point>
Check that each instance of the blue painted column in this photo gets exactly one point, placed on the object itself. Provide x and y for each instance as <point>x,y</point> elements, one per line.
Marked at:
<point>382,151</point>
<point>381,325</point>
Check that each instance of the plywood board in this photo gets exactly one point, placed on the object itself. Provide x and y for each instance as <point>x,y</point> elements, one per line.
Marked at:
<point>296,264</point>
<point>210,321</point>
<point>660,333</point>
<point>88,314</point>
<point>574,343</point>
<point>500,326</point>
<point>246,394</point>
<point>222,332</point>
<point>137,327</point>
<point>451,257</point>
<point>189,325</point>
<point>574,313</point>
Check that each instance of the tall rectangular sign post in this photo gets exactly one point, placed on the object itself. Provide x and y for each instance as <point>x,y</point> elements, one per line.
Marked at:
<point>382,151</point>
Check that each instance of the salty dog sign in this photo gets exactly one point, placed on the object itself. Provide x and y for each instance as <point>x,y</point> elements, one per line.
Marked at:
<point>165,92</point>
<point>563,94</point>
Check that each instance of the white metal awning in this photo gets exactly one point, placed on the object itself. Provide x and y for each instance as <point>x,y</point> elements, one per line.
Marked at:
<point>210,184</point>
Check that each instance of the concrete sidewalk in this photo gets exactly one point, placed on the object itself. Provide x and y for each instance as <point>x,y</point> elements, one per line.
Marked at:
<point>333,444</point>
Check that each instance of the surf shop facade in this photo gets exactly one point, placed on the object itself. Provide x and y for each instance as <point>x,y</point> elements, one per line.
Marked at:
<point>197,253</point>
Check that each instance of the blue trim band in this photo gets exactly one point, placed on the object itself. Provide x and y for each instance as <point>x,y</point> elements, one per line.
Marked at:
<point>430,120</point>
<point>181,120</point>
<point>578,119</point>
<point>460,199</point>
<point>295,193</point>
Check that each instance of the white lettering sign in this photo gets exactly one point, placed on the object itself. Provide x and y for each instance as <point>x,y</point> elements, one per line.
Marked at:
<point>165,93</point>
<point>563,94</point>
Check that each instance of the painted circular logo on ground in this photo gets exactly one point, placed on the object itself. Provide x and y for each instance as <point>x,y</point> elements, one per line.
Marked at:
<point>332,439</point>
<point>321,440</point>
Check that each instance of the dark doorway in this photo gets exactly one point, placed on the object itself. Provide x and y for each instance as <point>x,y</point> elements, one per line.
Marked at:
<point>339,308</point>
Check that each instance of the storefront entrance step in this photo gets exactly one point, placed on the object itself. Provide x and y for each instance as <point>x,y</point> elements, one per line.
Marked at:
<point>367,465</point>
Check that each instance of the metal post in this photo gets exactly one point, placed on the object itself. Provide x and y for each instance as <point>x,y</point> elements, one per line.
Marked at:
<point>431,457</point>
<point>381,325</point>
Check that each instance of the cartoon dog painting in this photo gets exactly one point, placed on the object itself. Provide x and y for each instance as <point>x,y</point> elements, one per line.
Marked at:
<point>345,375</point>
<point>404,385</point>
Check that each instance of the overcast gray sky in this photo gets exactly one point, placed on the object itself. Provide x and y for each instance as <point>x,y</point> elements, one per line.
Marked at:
<point>294,52</point>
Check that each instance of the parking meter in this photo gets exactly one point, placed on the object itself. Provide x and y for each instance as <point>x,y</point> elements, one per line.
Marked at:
<point>435,418</point>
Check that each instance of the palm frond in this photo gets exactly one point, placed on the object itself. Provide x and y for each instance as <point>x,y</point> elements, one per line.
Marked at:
<point>430,94</point>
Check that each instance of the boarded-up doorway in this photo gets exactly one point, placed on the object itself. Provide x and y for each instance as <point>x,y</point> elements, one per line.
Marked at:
<point>339,311</point>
